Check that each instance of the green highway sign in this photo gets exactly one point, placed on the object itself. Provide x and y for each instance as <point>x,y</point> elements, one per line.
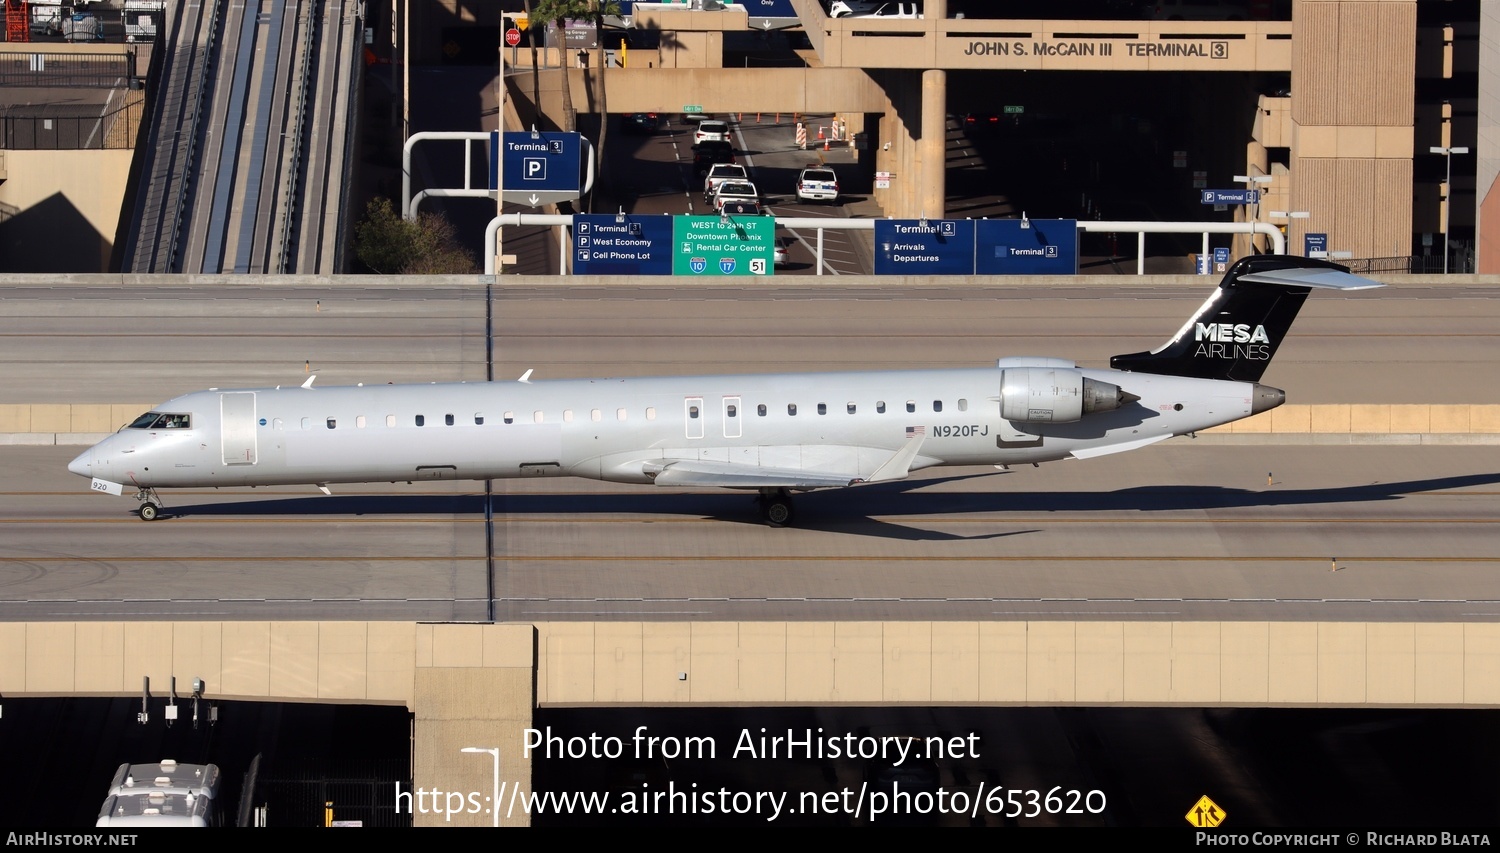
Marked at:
<point>711,246</point>
<point>1014,110</point>
<point>693,108</point>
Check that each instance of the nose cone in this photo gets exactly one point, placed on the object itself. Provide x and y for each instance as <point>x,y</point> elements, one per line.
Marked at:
<point>83,466</point>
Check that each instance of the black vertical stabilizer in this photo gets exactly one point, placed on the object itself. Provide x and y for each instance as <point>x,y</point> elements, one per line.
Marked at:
<point>1236,332</point>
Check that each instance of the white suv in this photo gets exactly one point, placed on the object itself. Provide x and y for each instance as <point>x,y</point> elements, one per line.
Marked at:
<point>817,183</point>
<point>711,131</point>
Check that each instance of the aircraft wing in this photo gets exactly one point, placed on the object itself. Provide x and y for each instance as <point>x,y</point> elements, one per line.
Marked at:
<point>731,475</point>
<point>693,472</point>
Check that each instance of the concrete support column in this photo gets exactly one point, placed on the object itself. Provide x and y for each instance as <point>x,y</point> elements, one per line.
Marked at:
<point>932,147</point>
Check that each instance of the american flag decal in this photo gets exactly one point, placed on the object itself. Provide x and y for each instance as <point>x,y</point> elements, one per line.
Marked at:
<point>911,431</point>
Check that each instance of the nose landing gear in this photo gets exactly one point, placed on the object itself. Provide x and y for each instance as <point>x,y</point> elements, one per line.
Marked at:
<point>150,508</point>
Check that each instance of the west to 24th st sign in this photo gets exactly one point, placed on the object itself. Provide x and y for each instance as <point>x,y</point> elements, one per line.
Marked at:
<point>708,245</point>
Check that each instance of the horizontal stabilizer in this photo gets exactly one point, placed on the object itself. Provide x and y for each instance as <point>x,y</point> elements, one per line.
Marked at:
<point>1315,277</point>
<point>728,475</point>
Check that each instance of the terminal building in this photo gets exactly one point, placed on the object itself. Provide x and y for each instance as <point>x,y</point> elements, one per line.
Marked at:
<point>1347,115</point>
<point>1359,121</point>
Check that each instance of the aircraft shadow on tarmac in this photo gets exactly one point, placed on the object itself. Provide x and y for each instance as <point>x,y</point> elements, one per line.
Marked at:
<point>850,511</point>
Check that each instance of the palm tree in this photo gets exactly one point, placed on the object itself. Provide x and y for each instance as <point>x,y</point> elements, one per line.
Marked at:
<point>558,11</point>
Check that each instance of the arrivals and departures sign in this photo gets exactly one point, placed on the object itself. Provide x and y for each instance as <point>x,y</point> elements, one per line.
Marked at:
<point>924,247</point>
<point>540,168</point>
<point>714,246</point>
<point>1026,247</point>
<point>613,244</point>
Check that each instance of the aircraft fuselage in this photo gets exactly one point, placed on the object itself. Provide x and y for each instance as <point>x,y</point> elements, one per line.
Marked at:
<point>623,429</point>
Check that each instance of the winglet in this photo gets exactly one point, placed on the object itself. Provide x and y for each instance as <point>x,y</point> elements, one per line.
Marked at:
<point>309,382</point>
<point>899,465</point>
<point>526,377</point>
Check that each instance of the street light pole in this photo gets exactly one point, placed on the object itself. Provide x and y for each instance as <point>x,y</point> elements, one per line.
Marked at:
<point>1250,182</point>
<point>1288,215</point>
<point>495,790</point>
<point>1447,151</point>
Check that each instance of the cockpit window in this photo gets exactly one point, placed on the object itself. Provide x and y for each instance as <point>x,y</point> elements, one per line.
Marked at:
<point>160,420</point>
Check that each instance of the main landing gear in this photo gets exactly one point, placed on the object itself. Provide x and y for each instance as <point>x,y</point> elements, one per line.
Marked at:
<point>150,508</point>
<point>775,507</point>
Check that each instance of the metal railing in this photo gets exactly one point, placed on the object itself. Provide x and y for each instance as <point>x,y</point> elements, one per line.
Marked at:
<point>70,132</point>
<point>66,70</point>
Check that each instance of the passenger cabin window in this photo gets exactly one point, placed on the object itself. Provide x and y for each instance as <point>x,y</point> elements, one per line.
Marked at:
<point>880,406</point>
<point>693,412</point>
<point>390,420</point>
<point>448,419</point>
<point>421,420</point>
<point>650,413</point>
<point>333,423</point>
<point>509,417</point>
<point>791,409</point>
<point>536,416</point>
<point>963,405</point>
<point>479,419</point>
<point>822,408</point>
<point>359,422</point>
<point>911,405</point>
<point>568,415</point>
<point>307,423</point>
<point>851,408</point>
<point>731,411</point>
<point>596,415</point>
<point>937,405</point>
<point>761,410</point>
<point>622,414</point>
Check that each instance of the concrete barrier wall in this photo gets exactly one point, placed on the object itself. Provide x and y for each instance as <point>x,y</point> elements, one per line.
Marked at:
<point>1018,663</point>
<point>85,423</point>
<point>464,677</point>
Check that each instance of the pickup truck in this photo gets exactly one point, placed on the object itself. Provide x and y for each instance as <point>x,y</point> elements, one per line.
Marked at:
<point>718,174</point>
<point>742,191</point>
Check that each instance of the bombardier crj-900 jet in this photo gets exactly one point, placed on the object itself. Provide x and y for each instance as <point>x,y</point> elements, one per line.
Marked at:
<point>775,434</point>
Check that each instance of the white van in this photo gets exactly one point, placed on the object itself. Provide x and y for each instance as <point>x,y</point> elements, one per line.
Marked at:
<point>867,9</point>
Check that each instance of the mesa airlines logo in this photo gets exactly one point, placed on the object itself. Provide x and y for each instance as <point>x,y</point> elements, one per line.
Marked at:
<point>1235,333</point>
<point>1232,340</point>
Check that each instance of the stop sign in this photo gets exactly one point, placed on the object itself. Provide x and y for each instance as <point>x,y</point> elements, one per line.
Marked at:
<point>512,37</point>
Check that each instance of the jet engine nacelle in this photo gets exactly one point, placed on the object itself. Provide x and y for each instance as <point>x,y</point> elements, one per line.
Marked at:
<point>1055,395</point>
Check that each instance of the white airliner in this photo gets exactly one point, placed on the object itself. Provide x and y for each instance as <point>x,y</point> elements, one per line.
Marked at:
<point>775,434</point>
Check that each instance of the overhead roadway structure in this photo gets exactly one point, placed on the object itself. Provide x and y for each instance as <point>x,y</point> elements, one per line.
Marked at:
<point>1349,123</point>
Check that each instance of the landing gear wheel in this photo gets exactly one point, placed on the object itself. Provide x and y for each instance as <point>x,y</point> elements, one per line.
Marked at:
<point>148,512</point>
<point>776,507</point>
<point>778,512</point>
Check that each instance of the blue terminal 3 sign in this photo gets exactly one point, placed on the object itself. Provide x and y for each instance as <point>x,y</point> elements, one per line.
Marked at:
<point>607,244</point>
<point>1230,196</point>
<point>924,247</point>
<point>540,168</point>
<point>1040,247</point>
